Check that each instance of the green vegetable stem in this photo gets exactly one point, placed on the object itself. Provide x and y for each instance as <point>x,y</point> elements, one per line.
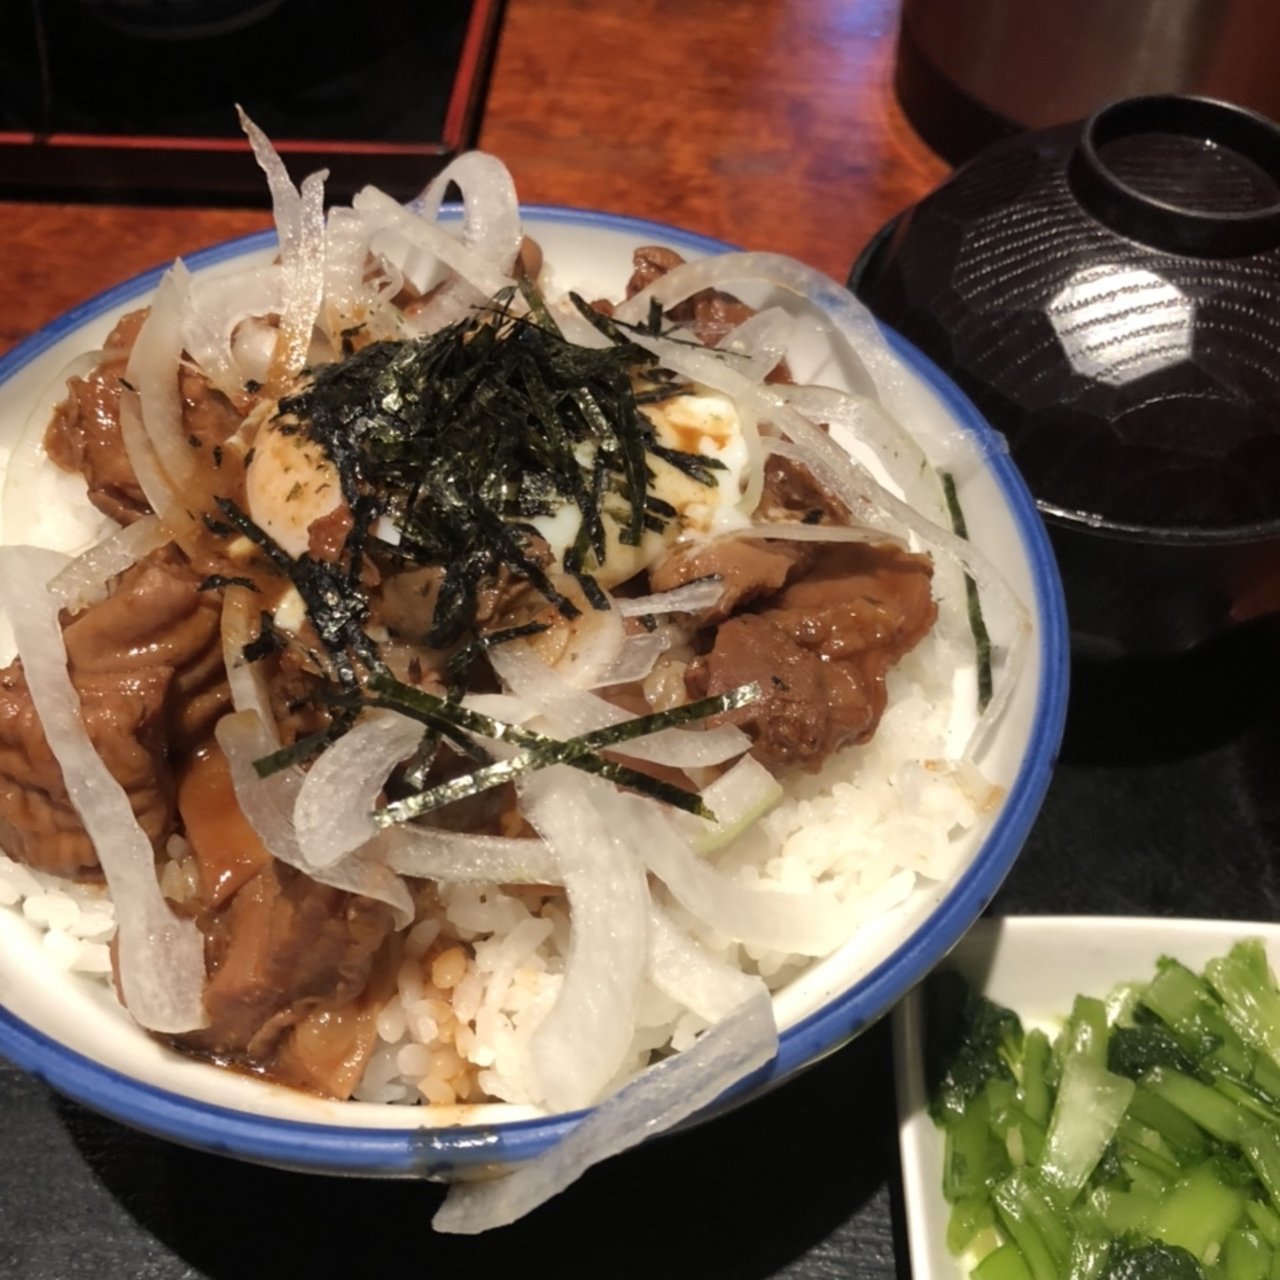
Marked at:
<point>1143,1143</point>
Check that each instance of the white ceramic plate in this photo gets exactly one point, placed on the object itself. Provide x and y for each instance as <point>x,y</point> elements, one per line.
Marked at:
<point>1036,966</point>
<point>74,1035</point>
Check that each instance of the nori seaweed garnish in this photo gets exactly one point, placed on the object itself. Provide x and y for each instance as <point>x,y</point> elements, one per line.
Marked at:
<point>462,438</point>
<point>216,581</point>
<point>977,624</point>
<point>269,640</point>
<point>469,433</point>
<point>336,611</point>
<point>539,750</point>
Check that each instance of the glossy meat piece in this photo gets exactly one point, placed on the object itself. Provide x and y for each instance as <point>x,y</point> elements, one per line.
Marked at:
<point>710,314</point>
<point>84,434</point>
<point>792,493</point>
<point>748,568</point>
<point>146,663</point>
<point>282,948</point>
<point>227,850</point>
<point>819,649</point>
<point>155,619</point>
<point>125,714</point>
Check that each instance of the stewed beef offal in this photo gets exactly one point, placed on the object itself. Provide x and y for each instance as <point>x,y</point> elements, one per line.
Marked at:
<point>296,970</point>
<point>85,433</point>
<point>147,665</point>
<point>288,959</point>
<point>819,648</point>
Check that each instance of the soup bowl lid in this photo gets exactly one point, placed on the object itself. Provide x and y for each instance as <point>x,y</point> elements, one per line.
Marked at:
<point>1108,293</point>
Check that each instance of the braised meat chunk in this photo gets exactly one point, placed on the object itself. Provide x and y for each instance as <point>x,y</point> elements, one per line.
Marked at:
<point>146,663</point>
<point>283,947</point>
<point>84,434</point>
<point>124,714</point>
<point>819,649</point>
<point>748,568</point>
<point>710,313</point>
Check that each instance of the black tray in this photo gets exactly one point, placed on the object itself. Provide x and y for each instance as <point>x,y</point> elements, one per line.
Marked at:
<point>136,98</point>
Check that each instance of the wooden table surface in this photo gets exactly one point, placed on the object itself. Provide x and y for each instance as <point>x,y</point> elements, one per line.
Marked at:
<point>768,123</point>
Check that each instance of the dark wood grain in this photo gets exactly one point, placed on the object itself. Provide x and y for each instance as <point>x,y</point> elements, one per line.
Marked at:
<point>768,123</point>
<point>53,256</point>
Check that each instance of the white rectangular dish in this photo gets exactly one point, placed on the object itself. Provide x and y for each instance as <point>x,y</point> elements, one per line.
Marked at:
<point>1036,966</point>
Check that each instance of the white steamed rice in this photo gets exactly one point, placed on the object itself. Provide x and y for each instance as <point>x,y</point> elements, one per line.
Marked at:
<point>482,968</point>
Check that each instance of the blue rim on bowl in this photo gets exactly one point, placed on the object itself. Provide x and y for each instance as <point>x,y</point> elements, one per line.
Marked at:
<point>439,1152</point>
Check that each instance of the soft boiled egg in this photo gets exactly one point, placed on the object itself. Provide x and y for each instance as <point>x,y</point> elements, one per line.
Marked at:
<point>703,423</point>
<point>290,483</point>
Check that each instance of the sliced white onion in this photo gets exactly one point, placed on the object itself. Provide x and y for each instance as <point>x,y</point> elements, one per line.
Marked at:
<point>682,969</point>
<point>412,263</point>
<point>161,957</point>
<point>268,805</point>
<point>303,271</point>
<point>762,341</point>
<point>693,597</point>
<point>156,486</point>
<point>455,857</point>
<point>738,798</point>
<point>473,267</point>
<point>749,427</point>
<point>575,327</point>
<point>575,711</point>
<point>582,1043</point>
<point>84,580</point>
<point>490,228</point>
<point>638,657</point>
<point>659,1100</point>
<point>247,680</point>
<point>348,297</point>
<point>299,217</point>
<point>500,706</point>
<point>217,307</point>
<point>153,369</point>
<point>490,208</point>
<point>597,638</point>
<point>808,924</point>
<point>334,812</point>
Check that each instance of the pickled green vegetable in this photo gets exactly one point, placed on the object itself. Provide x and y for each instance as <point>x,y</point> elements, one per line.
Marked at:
<point>1142,1144</point>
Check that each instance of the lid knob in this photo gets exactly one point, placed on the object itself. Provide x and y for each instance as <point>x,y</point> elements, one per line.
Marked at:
<point>1182,174</point>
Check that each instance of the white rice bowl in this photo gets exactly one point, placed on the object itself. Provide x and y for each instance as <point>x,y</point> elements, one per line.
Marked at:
<point>876,820</point>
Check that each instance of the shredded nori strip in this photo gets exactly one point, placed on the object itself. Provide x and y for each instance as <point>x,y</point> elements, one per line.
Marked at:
<point>269,640</point>
<point>468,433</point>
<point>542,751</point>
<point>336,611</point>
<point>216,581</point>
<point>696,466</point>
<point>977,624</point>
<point>297,752</point>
